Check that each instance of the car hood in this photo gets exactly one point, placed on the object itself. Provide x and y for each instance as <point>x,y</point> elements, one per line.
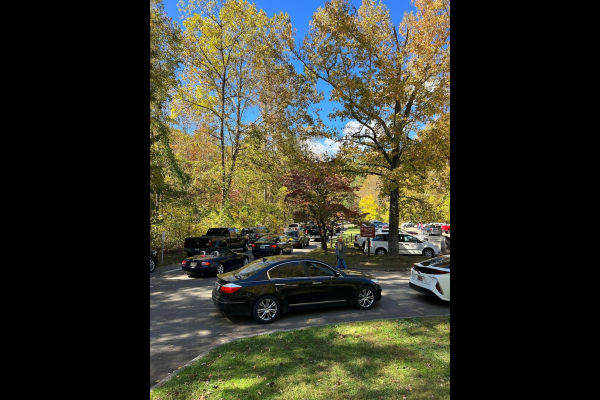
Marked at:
<point>357,273</point>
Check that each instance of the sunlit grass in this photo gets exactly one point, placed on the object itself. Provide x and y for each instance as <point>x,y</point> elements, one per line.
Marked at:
<point>387,359</point>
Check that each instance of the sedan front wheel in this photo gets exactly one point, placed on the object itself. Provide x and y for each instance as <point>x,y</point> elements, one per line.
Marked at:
<point>220,269</point>
<point>266,310</point>
<point>365,298</point>
<point>428,253</point>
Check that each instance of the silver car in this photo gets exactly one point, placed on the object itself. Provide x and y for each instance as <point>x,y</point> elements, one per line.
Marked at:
<point>431,229</point>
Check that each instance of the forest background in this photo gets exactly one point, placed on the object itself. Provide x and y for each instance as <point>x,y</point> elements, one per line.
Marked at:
<point>233,118</point>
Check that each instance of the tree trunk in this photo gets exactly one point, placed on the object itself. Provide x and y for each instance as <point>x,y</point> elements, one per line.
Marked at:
<point>394,222</point>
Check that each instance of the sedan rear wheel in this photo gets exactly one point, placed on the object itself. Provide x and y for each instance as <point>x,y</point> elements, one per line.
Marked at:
<point>266,310</point>
<point>380,251</point>
<point>365,298</point>
<point>428,253</point>
<point>152,264</point>
<point>220,269</point>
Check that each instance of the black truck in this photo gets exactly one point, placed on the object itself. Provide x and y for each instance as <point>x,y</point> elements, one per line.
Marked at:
<point>231,238</point>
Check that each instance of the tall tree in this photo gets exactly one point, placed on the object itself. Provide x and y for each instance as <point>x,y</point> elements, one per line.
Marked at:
<point>394,84</point>
<point>229,49</point>
<point>164,59</point>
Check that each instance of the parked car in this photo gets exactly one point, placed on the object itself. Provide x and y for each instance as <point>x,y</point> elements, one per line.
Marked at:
<point>407,244</point>
<point>292,227</point>
<point>255,232</point>
<point>432,277</point>
<point>153,260</point>
<point>272,245</point>
<point>313,232</point>
<point>408,225</point>
<point>216,238</point>
<point>299,238</point>
<point>217,262</point>
<point>266,288</point>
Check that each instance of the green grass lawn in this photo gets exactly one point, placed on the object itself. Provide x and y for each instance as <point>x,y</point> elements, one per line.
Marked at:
<point>385,359</point>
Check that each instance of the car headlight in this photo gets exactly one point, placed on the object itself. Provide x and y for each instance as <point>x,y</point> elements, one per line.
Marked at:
<point>374,281</point>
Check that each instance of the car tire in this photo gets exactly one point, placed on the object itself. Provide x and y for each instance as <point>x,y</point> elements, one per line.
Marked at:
<point>380,251</point>
<point>266,310</point>
<point>291,249</point>
<point>245,247</point>
<point>365,298</point>
<point>153,263</point>
<point>428,253</point>
<point>246,261</point>
<point>220,269</point>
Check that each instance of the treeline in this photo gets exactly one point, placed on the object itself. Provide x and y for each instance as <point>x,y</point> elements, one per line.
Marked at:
<point>231,119</point>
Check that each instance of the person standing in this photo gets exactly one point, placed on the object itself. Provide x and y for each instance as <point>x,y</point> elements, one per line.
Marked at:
<point>340,252</point>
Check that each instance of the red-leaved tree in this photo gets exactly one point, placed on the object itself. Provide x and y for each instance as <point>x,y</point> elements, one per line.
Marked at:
<point>317,194</point>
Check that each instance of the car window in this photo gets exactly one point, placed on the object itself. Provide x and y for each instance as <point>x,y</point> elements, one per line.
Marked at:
<point>292,234</point>
<point>287,270</point>
<point>316,269</point>
<point>410,239</point>
<point>267,239</point>
<point>225,252</point>
<point>380,238</point>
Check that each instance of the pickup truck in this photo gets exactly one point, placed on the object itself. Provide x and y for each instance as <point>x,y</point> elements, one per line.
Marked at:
<point>215,237</point>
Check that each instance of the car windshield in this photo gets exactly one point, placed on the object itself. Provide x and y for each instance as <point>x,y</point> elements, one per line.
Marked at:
<point>267,239</point>
<point>439,262</point>
<point>217,231</point>
<point>292,234</point>
<point>252,268</point>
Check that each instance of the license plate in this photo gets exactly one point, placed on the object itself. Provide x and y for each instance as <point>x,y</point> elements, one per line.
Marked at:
<point>193,264</point>
<point>263,247</point>
<point>419,278</point>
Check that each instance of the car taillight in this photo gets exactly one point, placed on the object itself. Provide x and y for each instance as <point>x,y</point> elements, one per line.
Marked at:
<point>184,262</point>
<point>210,243</point>
<point>205,263</point>
<point>439,288</point>
<point>274,246</point>
<point>229,288</point>
<point>253,245</point>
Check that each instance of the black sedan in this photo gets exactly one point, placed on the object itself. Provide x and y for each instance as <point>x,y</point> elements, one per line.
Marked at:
<point>266,288</point>
<point>217,262</point>
<point>153,260</point>
<point>272,245</point>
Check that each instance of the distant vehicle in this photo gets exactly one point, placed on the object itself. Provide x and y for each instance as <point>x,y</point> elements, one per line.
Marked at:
<point>254,233</point>
<point>217,262</point>
<point>153,260</point>
<point>432,277</point>
<point>408,225</point>
<point>272,245</point>
<point>313,232</point>
<point>292,227</point>
<point>266,288</point>
<point>407,244</point>
<point>431,229</point>
<point>445,228</point>
<point>299,238</point>
<point>216,238</point>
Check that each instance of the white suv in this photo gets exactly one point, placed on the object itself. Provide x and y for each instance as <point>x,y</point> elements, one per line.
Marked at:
<point>407,244</point>
<point>292,227</point>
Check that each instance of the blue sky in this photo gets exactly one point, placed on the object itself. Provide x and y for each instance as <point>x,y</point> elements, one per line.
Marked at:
<point>300,12</point>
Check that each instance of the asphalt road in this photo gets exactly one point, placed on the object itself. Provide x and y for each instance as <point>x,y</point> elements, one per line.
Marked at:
<point>184,323</point>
